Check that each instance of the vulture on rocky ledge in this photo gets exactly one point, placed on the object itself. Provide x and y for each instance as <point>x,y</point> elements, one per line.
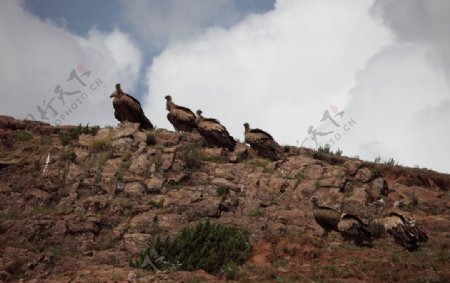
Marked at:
<point>327,217</point>
<point>263,143</point>
<point>128,109</point>
<point>214,133</point>
<point>404,230</point>
<point>182,118</point>
<point>353,228</point>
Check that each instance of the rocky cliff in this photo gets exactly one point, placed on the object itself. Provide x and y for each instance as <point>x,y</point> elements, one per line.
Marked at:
<point>106,195</point>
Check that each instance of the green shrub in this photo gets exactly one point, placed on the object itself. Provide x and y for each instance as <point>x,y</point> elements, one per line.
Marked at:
<point>211,247</point>
<point>325,149</point>
<point>100,145</point>
<point>150,139</point>
<point>74,133</point>
<point>391,162</point>
<point>191,155</point>
<point>223,191</point>
<point>23,136</point>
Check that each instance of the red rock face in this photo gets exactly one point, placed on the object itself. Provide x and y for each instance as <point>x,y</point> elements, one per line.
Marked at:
<point>104,198</point>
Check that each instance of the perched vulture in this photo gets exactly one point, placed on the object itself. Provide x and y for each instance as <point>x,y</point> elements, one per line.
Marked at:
<point>353,228</point>
<point>214,133</point>
<point>263,143</point>
<point>128,108</point>
<point>327,217</point>
<point>182,118</point>
<point>404,230</point>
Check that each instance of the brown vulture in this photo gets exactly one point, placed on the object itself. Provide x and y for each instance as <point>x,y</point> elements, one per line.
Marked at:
<point>128,108</point>
<point>263,143</point>
<point>327,217</point>
<point>353,228</point>
<point>182,118</point>
<point>404,230</point>
<point>214,133</point>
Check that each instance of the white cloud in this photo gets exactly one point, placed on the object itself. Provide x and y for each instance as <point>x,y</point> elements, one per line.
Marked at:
<point>281,70</point>
<point>277,71</point>
<point>398,106</point>
<point>38,56</point>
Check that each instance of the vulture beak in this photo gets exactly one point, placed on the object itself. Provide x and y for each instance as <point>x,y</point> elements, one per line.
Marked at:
<point>111,96</point>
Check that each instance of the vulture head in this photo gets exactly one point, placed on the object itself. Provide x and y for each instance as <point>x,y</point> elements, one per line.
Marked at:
<point>314,201</point>
<point>168,102</point>
<point>379,204</point>
<point>247,127</point>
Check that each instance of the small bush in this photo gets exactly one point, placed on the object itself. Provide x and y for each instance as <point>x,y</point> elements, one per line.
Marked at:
<point>255,212</point>
<point>74,133</point>
<point>375,173</point>
<point>223,191</point>
<point>68,154</point>
<point>8,143</point>
<point>391,162</point>
<point>23,136</point>
<point>214,248</point>
<point>100,145</point>
<point>325,149</point>
<point>150,139</point>
<point>191,155</point>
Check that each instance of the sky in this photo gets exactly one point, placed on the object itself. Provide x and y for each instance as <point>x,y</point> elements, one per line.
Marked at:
<point>368,77</point>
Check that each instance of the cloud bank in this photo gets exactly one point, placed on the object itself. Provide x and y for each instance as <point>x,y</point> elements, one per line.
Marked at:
<point>39,55</point>
<point>279,71</point>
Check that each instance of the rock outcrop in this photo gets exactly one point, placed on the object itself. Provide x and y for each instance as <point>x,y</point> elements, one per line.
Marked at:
<point>105,197</point>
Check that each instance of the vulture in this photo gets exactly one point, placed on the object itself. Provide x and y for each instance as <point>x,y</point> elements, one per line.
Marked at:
<point>404,230</point>
<point>128,108</point>
<point>327,217</point>
<point>214,133</point>
<point>353,228</point>
<point>262,142</point>
<point>182,118</point>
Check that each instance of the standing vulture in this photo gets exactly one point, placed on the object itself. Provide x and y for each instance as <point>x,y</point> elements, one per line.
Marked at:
<point>263,143</point>
<point>353,228</point>
<point>128,108</point>
<point>404,230</point>
<point>327,217</point>
<point>214,133</point>
<point>182,118</point>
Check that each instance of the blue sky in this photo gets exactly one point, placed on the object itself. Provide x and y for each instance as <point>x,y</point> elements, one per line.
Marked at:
<point>276,64</point>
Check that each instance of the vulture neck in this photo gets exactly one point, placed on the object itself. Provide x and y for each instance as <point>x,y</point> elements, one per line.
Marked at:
<point>314,205</point>
<point>119,92</point>
<point>170,105</point>
<point>247,130</point>
<point>198,119</point>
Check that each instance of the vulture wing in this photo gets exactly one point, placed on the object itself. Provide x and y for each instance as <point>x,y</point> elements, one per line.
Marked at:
<point>261,132</point>
<point>403,232</point>
<point>182,118</point>
<point>216,134</point>
<point>352,227</point>
<point>327,218</point>
<point>127,108</point>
